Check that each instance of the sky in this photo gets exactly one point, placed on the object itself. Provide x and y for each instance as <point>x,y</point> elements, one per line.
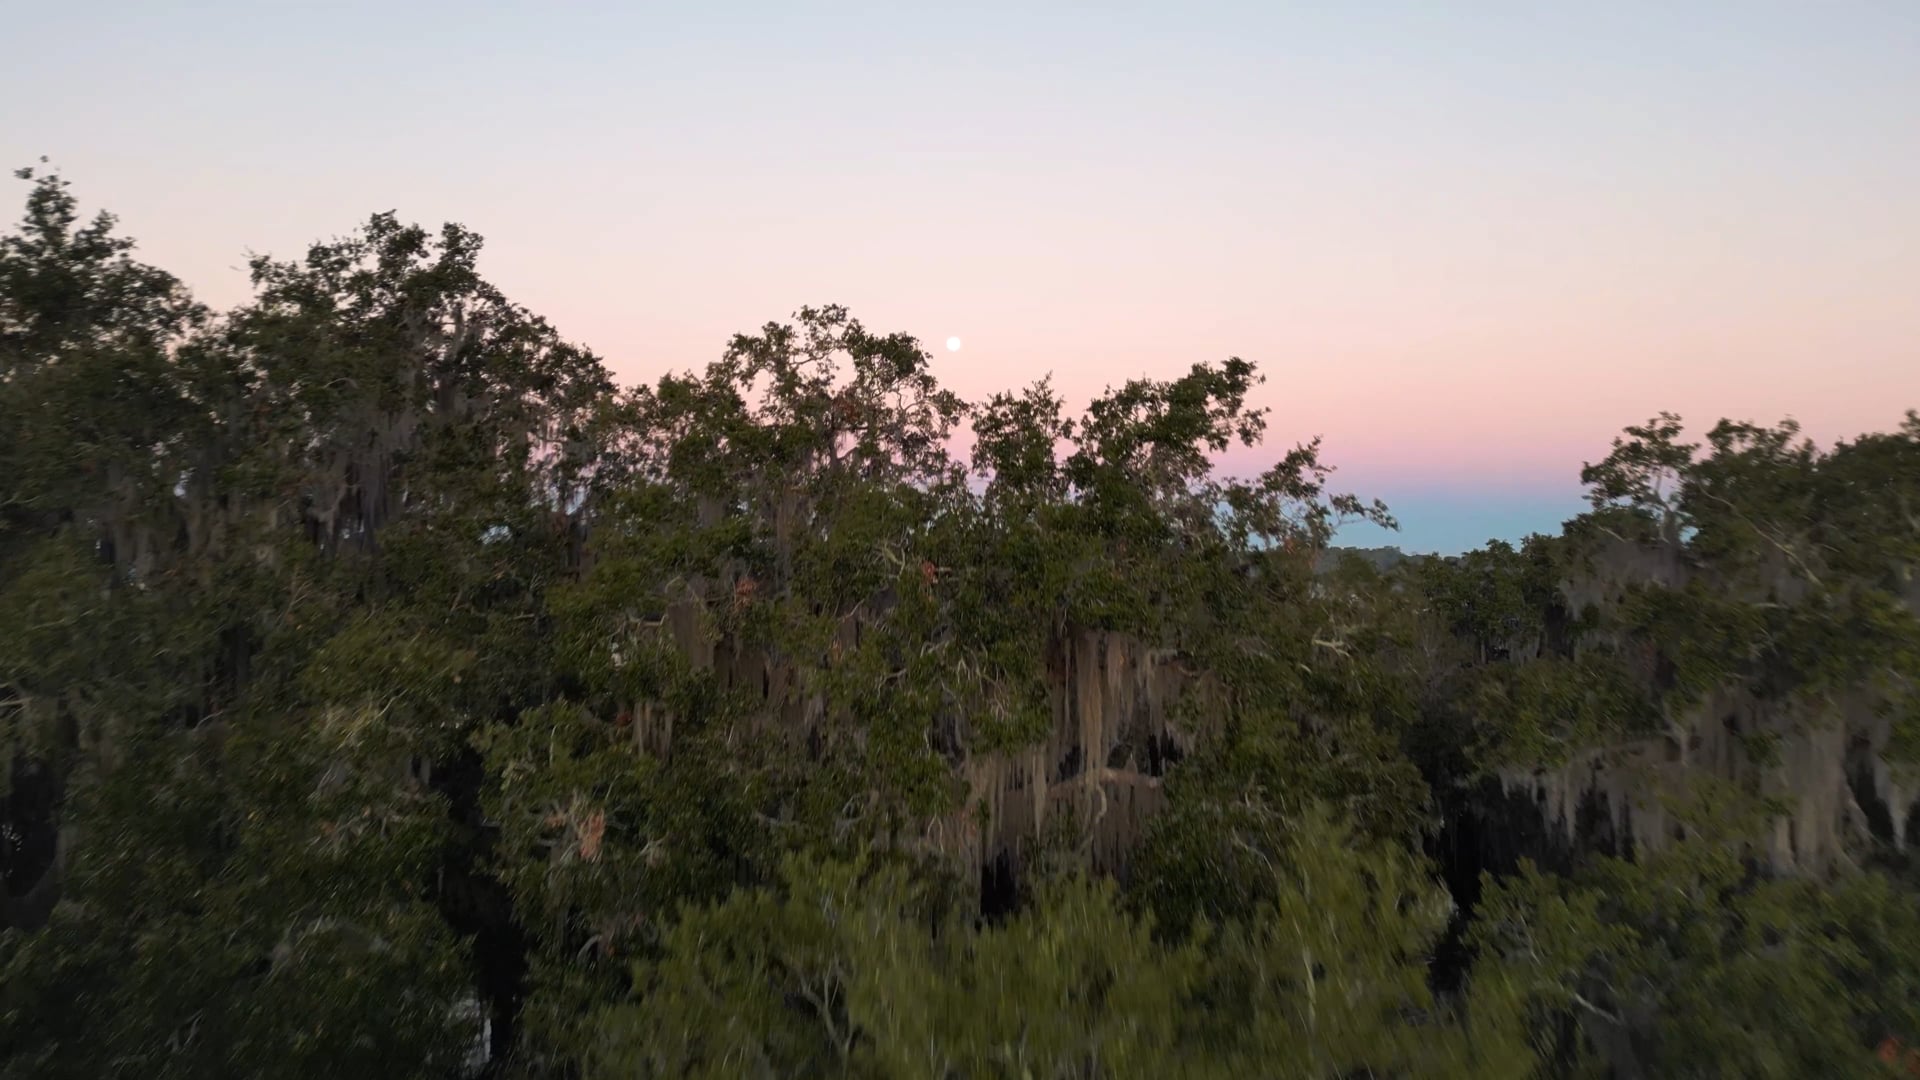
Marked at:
<point>1466,243</point>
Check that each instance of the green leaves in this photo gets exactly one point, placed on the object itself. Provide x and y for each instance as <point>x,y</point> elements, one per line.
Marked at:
<point>846,970</point>
<point>248,906</point>
<point>1688,963</point>
<point>1643,473</point>
<point>404,679</point>
<point>1329,978</point>
<point>1539,713</point>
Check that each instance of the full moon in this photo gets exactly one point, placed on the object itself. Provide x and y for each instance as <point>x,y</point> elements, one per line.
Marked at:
<point>953,344</point>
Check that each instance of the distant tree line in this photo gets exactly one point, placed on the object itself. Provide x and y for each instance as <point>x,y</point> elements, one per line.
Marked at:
<point>1380,558</point>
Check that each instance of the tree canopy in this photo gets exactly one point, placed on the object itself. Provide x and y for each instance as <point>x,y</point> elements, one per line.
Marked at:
<point>386,690</point>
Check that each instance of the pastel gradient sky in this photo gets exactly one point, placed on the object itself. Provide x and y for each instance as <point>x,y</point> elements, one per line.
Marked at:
<point>1467,242</point>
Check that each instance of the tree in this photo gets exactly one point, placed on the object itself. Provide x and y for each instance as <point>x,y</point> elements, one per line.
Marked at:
<point>848,969</point>
<point>376,674</point>
<point>1691,962</point>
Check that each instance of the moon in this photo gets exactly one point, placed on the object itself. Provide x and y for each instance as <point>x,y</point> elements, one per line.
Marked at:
<point>953,344</point>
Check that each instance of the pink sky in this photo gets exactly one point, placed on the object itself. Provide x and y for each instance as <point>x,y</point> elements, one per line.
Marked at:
<point>1465,249</point>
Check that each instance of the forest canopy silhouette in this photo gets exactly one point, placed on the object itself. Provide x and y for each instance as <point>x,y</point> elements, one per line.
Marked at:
<point>388,692</point>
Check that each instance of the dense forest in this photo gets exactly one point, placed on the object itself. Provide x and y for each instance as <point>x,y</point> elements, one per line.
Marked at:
<point>388,692</point>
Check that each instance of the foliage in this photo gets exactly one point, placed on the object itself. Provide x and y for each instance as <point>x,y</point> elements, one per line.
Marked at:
<point>1693,960</point>
<point>376,674</point>
<point>849,970</point>
<point>249,903</point>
